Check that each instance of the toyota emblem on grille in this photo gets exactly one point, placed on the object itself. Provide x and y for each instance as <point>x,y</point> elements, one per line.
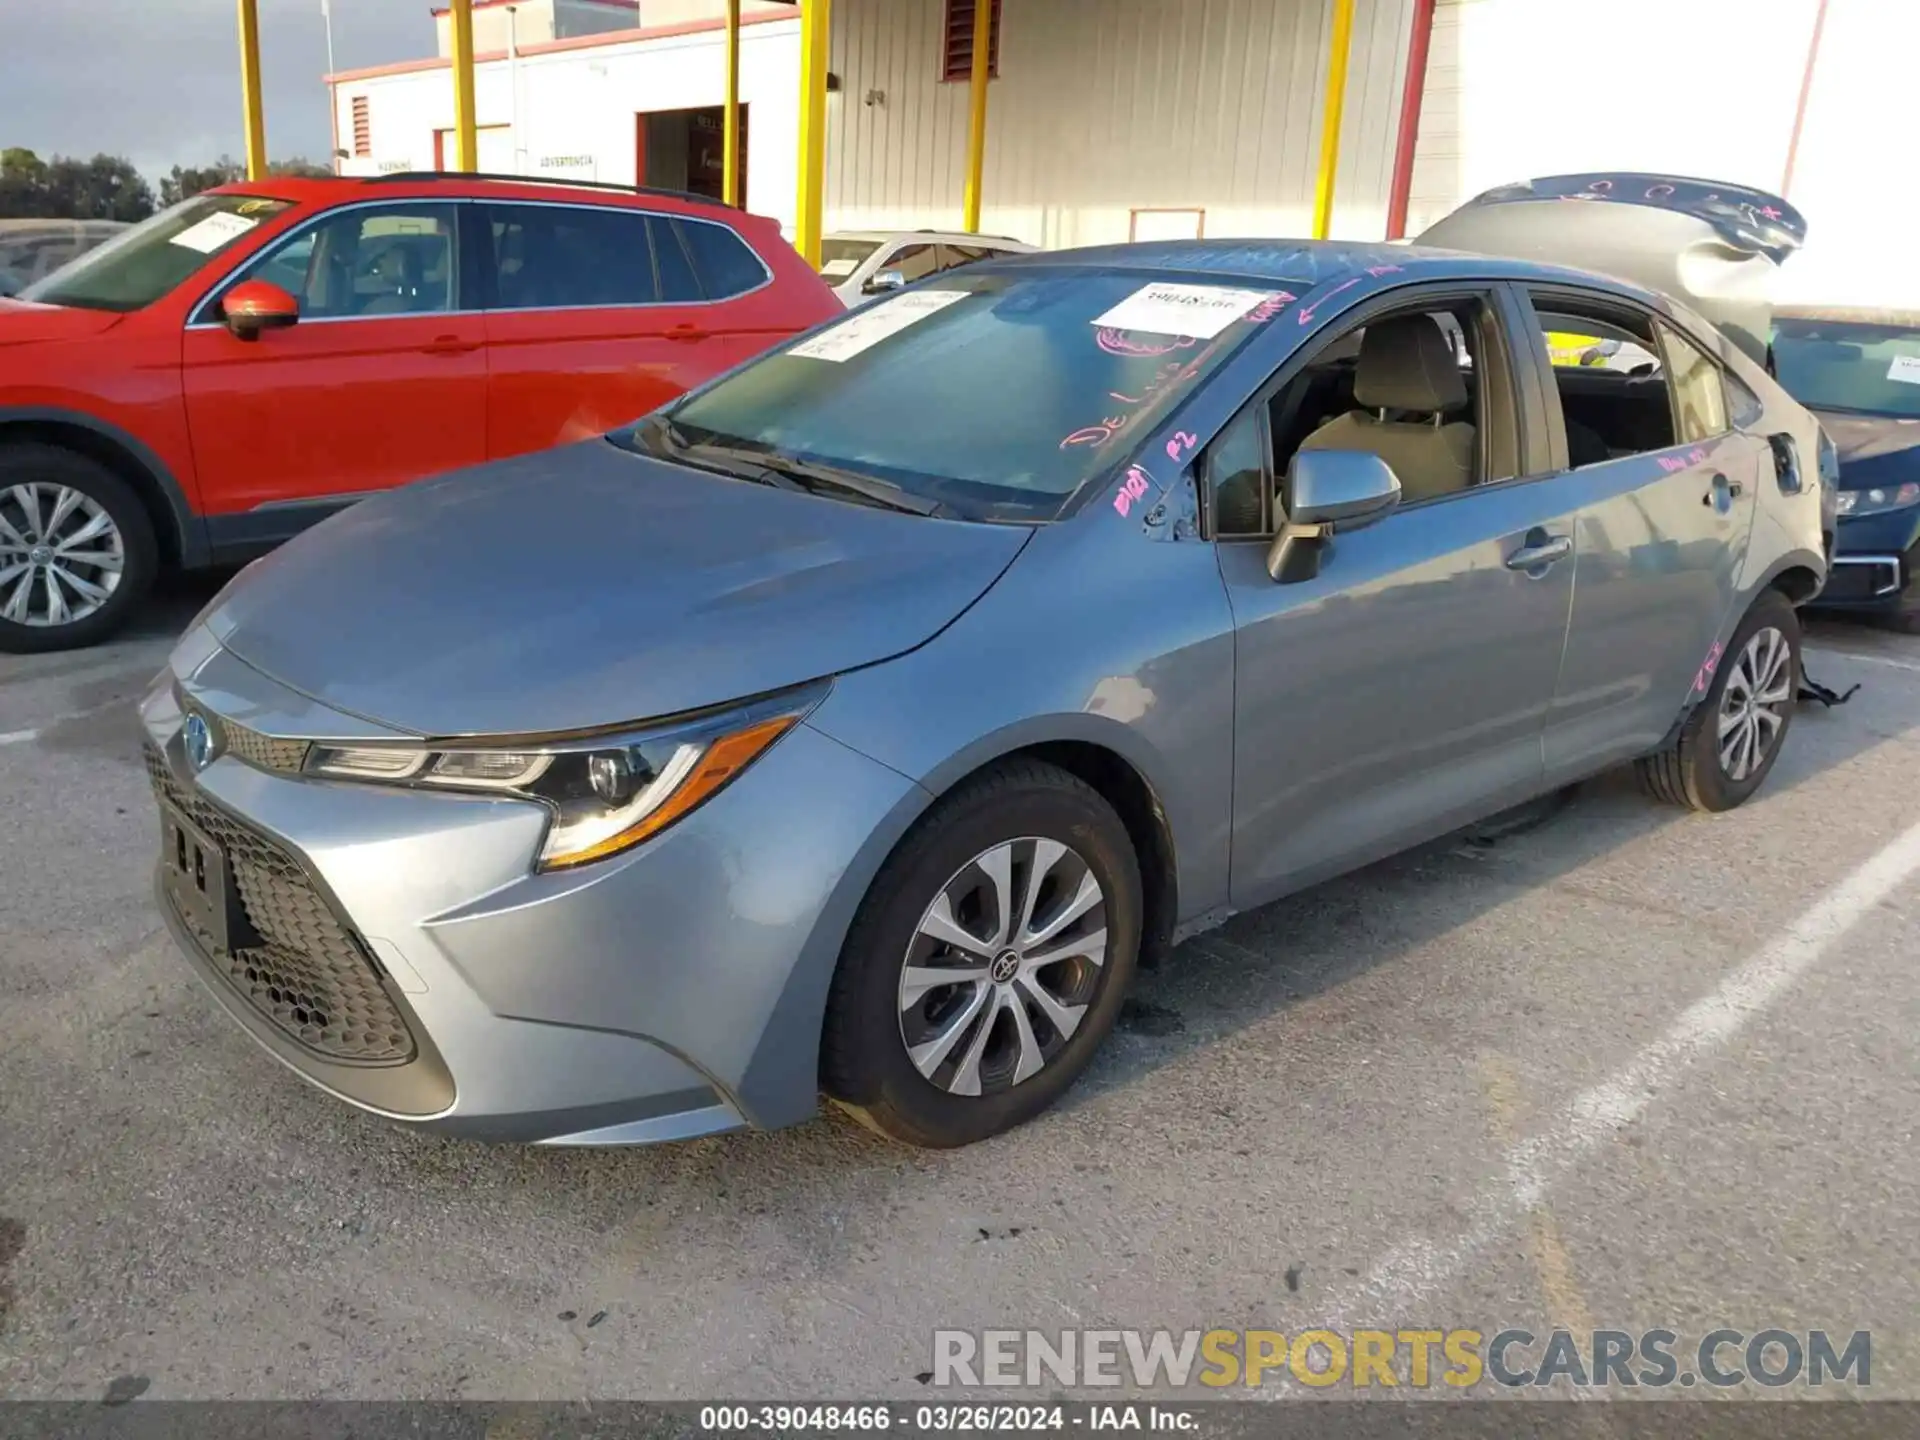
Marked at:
<point>197,736</point>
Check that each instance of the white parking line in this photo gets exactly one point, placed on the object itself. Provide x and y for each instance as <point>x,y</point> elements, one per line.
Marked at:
<point>1824,651</point>
<point>1414,1271</point>
<point>21,737</point>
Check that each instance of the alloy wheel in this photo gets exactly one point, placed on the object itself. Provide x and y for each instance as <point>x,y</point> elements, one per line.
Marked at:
<point>1753,706</point>
<point>1003,966</point>
<point>61,554</point>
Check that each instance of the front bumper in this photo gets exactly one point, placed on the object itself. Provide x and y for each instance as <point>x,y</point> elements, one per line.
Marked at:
<point>672,991</point>
<point>1876,562</point>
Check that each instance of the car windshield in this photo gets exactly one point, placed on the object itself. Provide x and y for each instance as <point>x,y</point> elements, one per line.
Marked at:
<point>139,265</point>
<point>1866,366</point>
<point>996,394</point>
<point>839,258</point>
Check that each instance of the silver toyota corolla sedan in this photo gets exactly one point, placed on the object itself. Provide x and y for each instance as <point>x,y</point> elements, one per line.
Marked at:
<point>858,723</point>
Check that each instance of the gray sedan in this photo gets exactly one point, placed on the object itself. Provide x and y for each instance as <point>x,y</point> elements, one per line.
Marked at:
<point>860,722</point>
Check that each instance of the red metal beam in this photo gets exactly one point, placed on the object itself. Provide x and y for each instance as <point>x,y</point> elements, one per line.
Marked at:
<point>1411,95</point>
<point>1806,89</point>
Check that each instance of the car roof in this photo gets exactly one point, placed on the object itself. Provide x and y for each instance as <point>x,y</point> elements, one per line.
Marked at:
<point>427,184</point>
<point>957,237</point>
<point>1313,262</point>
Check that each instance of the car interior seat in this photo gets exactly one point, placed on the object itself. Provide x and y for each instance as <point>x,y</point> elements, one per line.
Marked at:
<point>1406,367</point>
<point>394,273</point>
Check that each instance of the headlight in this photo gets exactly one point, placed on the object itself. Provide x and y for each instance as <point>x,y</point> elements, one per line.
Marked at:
<point>607,793</point>
<point>1867,502</point>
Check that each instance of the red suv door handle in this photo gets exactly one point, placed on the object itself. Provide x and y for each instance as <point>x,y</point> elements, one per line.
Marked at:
<point>451,345</point>
<point>686,332</point>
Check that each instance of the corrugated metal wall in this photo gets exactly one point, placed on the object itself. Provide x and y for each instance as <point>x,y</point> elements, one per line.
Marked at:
<point>1107,106</point>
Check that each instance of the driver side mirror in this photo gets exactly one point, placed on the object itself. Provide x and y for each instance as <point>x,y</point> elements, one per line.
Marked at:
<point>256,305</point>
<point>883,281</point>
<point>1328,492</point>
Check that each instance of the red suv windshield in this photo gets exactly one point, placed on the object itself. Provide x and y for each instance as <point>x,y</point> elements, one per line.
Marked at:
<point>138,266</point>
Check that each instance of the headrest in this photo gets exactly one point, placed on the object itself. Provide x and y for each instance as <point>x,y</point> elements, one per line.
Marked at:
<point>1406,364</point>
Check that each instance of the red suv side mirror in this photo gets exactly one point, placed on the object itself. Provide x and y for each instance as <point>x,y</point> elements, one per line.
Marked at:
<point>256,305</point>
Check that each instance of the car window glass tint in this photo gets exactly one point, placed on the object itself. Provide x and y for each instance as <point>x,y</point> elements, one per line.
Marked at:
<point>390,260</point>
<point>1701,399</point>
<point>721,258</point>
<point>567,257</point>
<point>678,283</point>
<point>140,264</point>
<point>1866,362</point>
<point>915,262</point>
<point>1236,466</point>
<point>952,257</point>
<point>1607,374</point>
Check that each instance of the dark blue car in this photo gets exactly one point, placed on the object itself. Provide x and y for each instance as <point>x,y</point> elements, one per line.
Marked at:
<point>1859,371</point>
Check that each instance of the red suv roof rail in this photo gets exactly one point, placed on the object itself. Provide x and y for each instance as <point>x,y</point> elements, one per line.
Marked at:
<point>410,176</point>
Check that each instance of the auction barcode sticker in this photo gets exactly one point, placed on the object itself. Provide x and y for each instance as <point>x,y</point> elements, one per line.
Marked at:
<point>1199,311</point>
<point>865,328</point>
<point>210,234</point>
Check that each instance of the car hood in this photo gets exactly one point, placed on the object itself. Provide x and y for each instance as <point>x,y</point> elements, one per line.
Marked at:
<point>590,586</point>
<point>1873,449</point>
<point>1716,247</point>
<point>23,320</point>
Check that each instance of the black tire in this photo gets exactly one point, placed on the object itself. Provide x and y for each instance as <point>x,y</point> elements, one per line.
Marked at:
<point>1689,772</point>
<point>33,462</point>
<point>865,1066</point>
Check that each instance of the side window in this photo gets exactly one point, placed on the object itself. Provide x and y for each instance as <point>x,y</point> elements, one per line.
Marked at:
<point>952,257</point>
<point>678,284</point>
<point>724,262</point>
<point>1614,393</point>
<point>916,262</point>
<point>550,257</point>
<point>1744,407</point>
<point>368,262</point>
<point>1700,398</point>
<point>1237,479</point>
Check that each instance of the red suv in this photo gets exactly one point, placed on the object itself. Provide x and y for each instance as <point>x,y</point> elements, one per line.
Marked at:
<point>210,382</point>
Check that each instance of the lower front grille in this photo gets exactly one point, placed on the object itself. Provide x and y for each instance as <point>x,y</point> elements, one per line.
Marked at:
<point>308,976</point>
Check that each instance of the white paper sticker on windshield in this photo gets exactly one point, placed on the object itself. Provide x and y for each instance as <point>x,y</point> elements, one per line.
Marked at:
<point>216,230</point>
<point>838,268</point>
<point>1199,311</point>
<point>864,329</point>
<point>1905,369</point>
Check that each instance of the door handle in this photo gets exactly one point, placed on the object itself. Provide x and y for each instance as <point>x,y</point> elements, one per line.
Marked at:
<point>686,332</point>
<point>1732,488</point>
<point>1540,556</point>
<point>451,345</point>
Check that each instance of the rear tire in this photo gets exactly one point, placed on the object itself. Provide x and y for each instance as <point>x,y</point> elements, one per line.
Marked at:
<point>943,1064</point>
<point>1727,746</point>
<point>77,551</point>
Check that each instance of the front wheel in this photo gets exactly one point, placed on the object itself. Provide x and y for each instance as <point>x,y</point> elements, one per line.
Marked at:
<point>1730,741</point>
<point>76,549</point>
<point>988,961</point>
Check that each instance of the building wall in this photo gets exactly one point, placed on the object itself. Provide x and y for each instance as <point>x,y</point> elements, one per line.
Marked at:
<point>1105,106</point>
<point>577,107</point>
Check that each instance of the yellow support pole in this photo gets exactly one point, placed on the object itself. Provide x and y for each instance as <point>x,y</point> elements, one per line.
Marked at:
<point>814,24</point>
<point>1330,118</point>
<point>730,127</point>
<point>250,89</point>
<point>977,110</point>
<point>465,132</point>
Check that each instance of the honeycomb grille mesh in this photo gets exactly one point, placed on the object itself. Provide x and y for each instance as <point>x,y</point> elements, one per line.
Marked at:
<point>309,977</point>
<point>263,752</point>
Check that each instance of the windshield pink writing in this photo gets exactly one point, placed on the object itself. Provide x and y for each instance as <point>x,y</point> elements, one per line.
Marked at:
<point>1096,434</point>
<point>1122,342</point>
<point>1133,488</point>
<point>1306,311</point>
<point>1270,307</point>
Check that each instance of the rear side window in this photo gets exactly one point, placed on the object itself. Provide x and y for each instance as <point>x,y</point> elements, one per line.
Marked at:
<point>678,284</point>
<point>723,261</point>
<point>568,257</point>
<point>1700,398</point>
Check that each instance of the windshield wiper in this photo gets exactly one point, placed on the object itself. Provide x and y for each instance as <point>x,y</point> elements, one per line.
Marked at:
<point>770,467</point>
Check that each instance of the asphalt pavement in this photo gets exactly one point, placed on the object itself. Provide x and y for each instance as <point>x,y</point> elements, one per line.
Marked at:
<point>1622,1067</point>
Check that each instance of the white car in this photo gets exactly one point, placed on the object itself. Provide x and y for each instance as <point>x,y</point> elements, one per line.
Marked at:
<point>860,264</point>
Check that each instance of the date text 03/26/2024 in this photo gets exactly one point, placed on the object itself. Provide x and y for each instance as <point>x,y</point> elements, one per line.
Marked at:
<point>943,1418</point>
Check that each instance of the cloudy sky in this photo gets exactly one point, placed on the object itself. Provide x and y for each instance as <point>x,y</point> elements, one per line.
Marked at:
<point>158,80</point>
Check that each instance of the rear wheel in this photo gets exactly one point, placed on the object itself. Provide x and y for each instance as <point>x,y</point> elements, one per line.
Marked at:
<point>1730,741</point>
<point>76,549</point>
<point>988,961</point>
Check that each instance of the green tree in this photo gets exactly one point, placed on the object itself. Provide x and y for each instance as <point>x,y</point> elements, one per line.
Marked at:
<point>107,187</point>
<point>184,181</point>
